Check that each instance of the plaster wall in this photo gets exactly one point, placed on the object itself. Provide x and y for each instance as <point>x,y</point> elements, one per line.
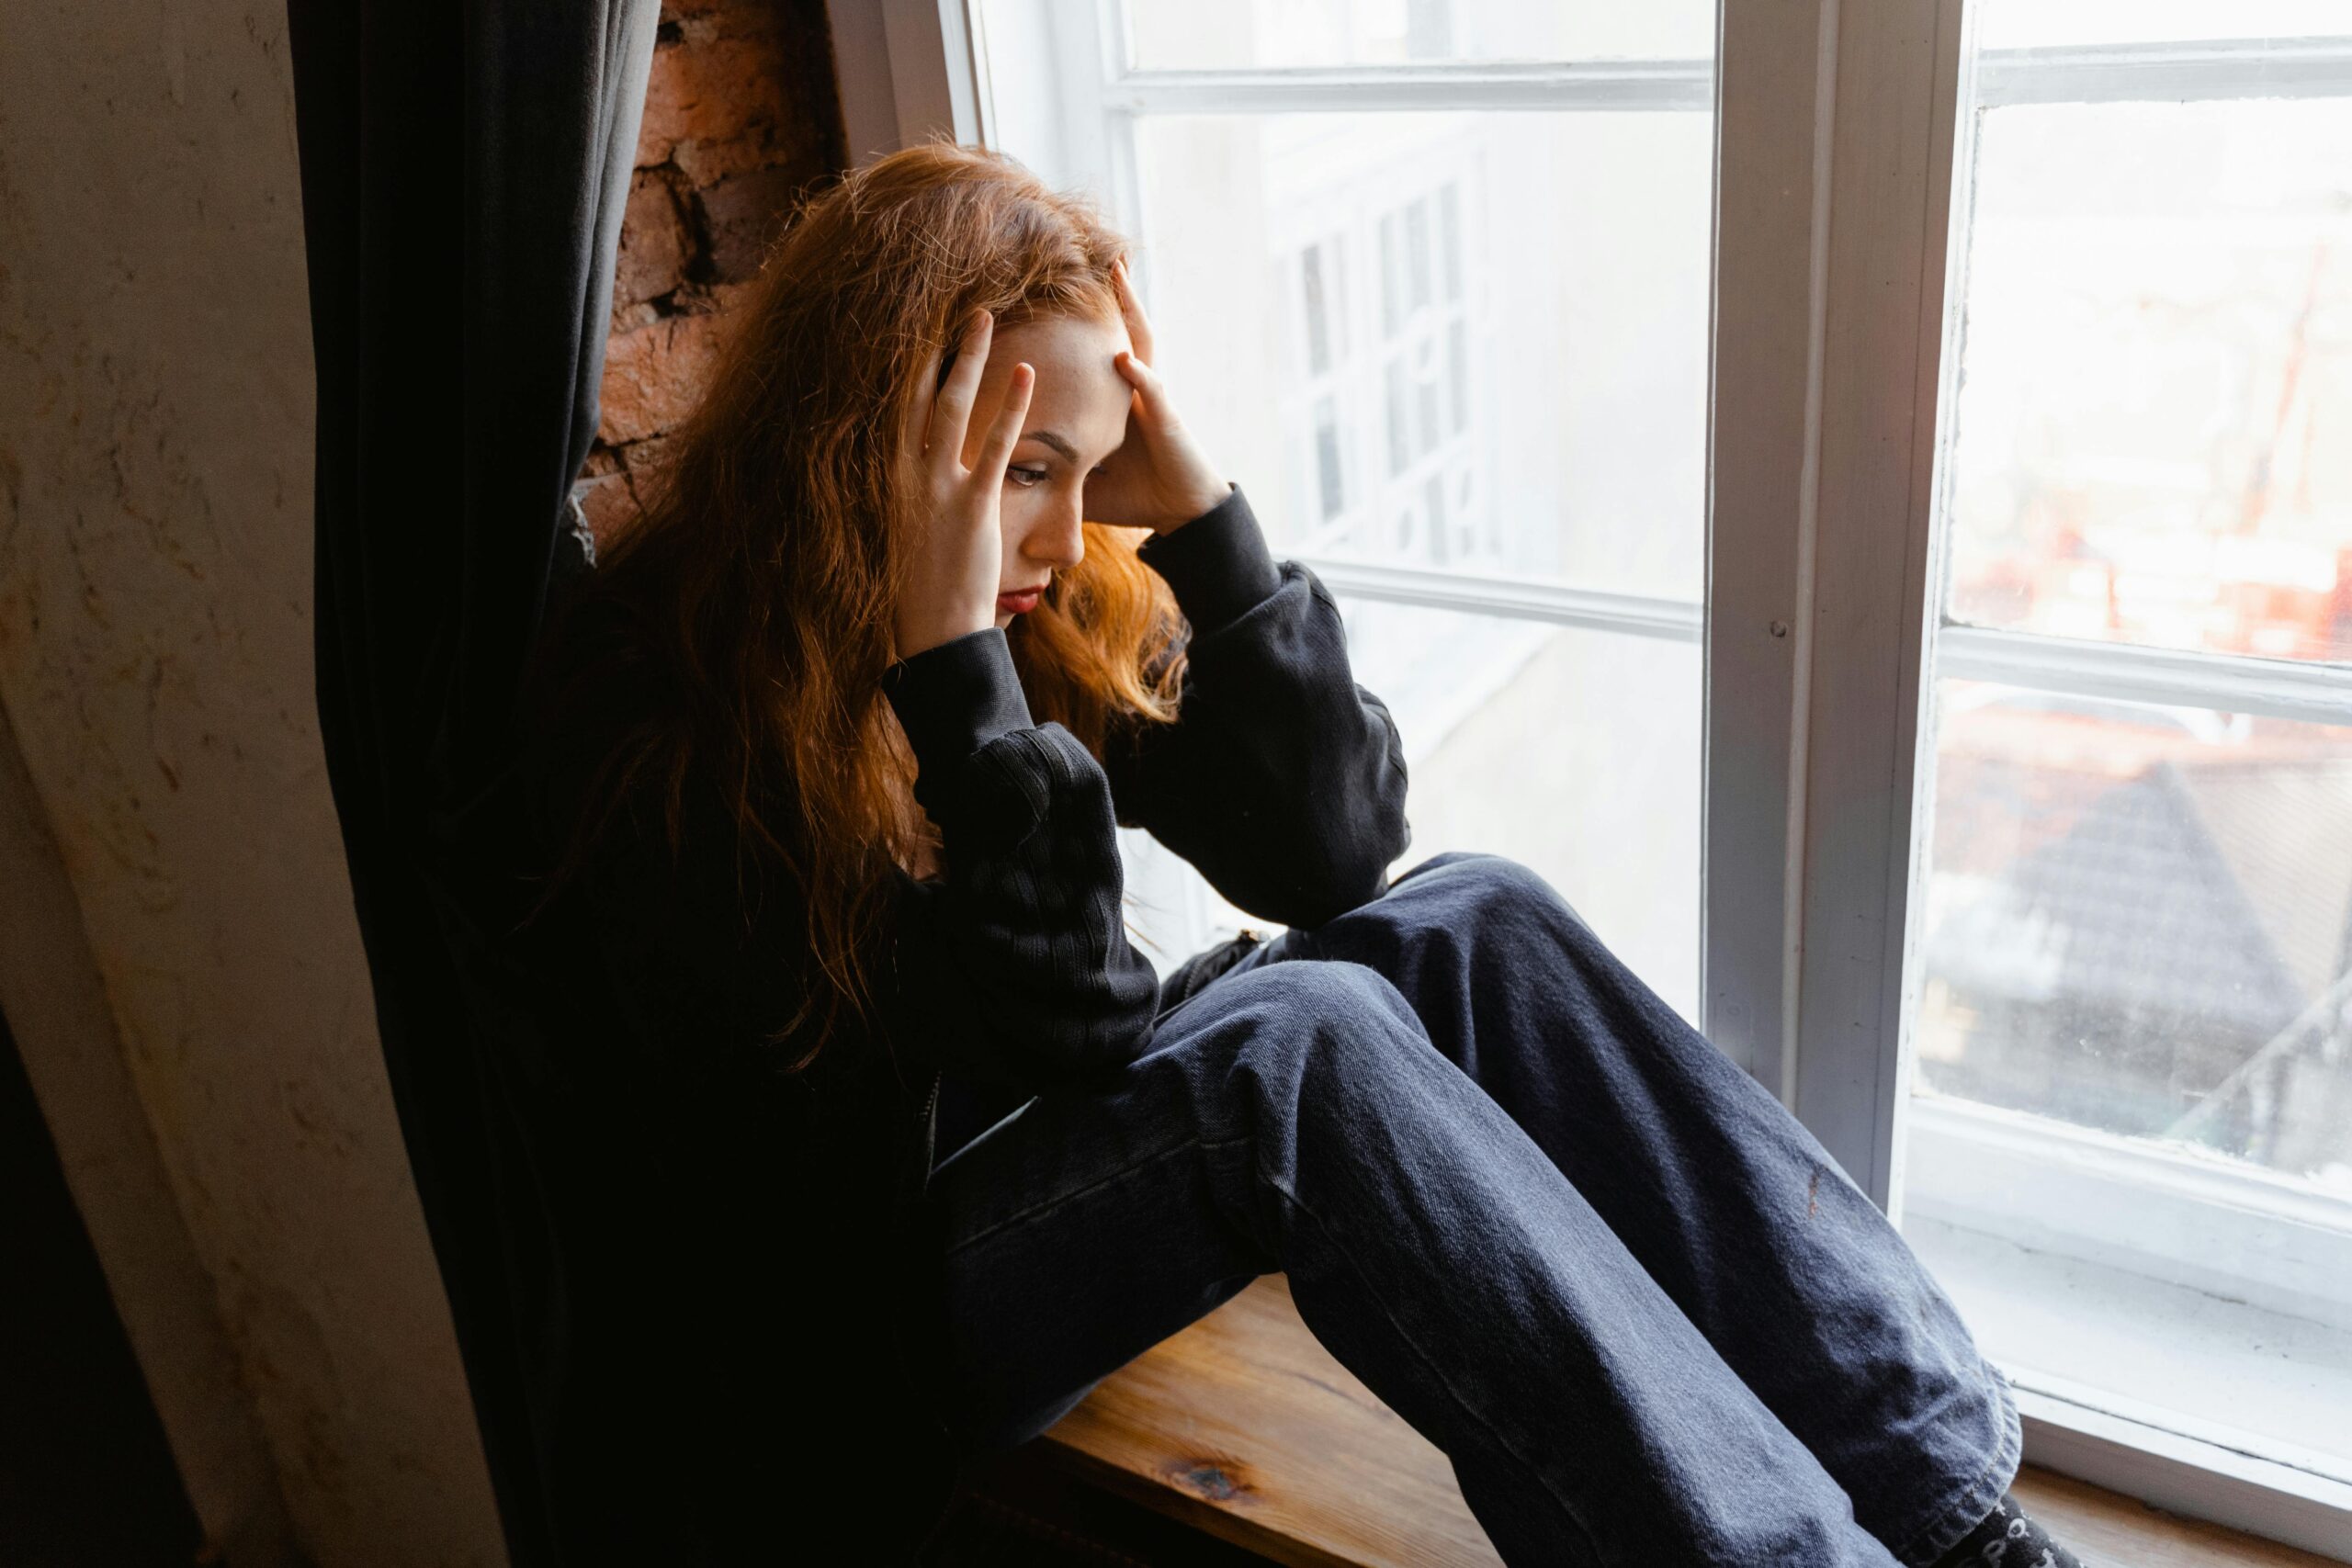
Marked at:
<point>212,1074</point>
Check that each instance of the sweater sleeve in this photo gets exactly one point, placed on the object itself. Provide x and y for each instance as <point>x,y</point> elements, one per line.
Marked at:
<point>1014,965</point>
<point>1280,778</point>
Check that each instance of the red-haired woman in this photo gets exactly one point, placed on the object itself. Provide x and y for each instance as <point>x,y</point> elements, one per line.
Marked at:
<point>871,1141</point>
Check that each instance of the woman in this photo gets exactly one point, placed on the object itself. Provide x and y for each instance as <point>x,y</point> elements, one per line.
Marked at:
<point>876,1142</point>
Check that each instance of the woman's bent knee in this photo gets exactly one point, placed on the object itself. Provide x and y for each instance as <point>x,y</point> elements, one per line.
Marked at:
<point>1467,891</point>
<point>1291,997</point>
<point>1280,1019</point>
<point>1478,875</point>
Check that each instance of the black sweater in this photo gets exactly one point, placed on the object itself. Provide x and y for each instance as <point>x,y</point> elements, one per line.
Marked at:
<point>736,1269</point>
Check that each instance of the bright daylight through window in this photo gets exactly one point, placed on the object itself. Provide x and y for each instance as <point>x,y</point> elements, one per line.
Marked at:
<point>1434,279</point>
<point>1481,417</point>
<point>2132,1130</point>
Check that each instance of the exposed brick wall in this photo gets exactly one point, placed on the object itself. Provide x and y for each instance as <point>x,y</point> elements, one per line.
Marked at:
<point>742,118</point>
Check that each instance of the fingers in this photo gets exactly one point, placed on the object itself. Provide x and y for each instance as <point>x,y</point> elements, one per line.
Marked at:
<point>915,435</point>
<point>1131,309</point>
<point>953,417</point>
<point>1005,433</point>
<point>1146,381</point>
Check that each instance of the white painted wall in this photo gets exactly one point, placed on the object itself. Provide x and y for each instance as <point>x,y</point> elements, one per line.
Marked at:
<point>210,1066</point>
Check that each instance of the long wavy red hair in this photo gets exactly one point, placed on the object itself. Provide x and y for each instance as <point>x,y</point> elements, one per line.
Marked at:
<point>759,579</point>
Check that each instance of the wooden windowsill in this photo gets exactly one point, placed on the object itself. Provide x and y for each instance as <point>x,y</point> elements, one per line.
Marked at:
<point>1243,1427</point>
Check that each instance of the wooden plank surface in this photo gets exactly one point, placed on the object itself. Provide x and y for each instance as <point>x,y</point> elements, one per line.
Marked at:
<point>2110,1531</point>
<point>1245,1427</point>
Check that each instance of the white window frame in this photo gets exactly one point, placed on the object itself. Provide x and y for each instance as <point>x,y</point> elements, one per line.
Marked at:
<point>1828,379</point>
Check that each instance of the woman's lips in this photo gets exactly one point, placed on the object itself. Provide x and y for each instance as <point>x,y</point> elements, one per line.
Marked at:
<point>1014,603</point>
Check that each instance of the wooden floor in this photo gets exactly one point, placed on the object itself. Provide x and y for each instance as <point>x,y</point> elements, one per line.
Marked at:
<point>1245,1428</point>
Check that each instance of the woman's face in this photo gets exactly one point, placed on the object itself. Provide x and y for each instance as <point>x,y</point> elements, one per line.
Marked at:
<point>1078,416</point>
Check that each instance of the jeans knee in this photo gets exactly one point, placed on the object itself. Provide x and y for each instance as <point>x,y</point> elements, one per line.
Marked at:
<point>1318,1062</point>
<point>1478,889</point>
<point>1322,997</point>
<point>1282,1023</point>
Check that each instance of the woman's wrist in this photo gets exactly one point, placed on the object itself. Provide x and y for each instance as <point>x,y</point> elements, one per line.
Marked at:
<point>952,698</point>
<point>1218,565</point>
<point>921,633</point>
<point>1211,495</point>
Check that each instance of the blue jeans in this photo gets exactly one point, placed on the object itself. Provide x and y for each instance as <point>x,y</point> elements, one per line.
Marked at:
<point>1633,1301</point>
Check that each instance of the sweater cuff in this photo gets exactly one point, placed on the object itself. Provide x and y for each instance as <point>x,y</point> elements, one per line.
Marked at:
<point>955,698</point>
<point>1218,564</point>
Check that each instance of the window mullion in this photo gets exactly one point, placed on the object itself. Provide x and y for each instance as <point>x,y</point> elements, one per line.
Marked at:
<point>1772,107</point>
<point>2170,72</point>
<point>2270,688</point>
<point>907,70</point>
<point>1890,203</point>
<point>1634,614</point>
<point>1834,143</point>
<point>1637,84</point>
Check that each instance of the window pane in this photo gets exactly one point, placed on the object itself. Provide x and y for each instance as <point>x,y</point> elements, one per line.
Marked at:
<point>1451,342</point>
<point>1576,752</point>
<point>1573,751</point>
<point>2137,921</point>
<point>2129,1140</point>
<point>1556,349</point>
<point>2154,416</point>
<point>1236,34</point>
<point>2130,1135</point>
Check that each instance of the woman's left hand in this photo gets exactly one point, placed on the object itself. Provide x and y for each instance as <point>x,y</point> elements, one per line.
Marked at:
<point>1159,479</point>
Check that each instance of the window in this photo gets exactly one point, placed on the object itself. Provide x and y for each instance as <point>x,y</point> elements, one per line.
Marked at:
<point>2130,1008</point>
<point>1957,396</point>
<point>1332,224</point>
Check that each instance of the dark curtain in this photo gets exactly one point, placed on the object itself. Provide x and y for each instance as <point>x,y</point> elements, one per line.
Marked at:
<point>464,170</point>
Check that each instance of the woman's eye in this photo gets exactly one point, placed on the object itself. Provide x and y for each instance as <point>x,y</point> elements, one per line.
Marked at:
<point>1025,478</point>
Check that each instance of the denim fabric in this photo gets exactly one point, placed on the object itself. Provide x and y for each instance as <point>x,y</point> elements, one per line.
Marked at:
<point>1633,1301</point>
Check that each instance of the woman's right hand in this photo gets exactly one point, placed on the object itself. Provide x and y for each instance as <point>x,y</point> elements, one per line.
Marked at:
<point>957,559</point>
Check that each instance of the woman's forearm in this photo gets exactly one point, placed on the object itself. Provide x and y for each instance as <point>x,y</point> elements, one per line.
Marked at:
<point>1015,963</point>
<point>1282,779</point>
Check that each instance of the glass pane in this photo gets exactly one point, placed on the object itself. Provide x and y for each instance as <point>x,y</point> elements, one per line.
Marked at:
<point>1459,342</point>
<point>1167,35</point>
<point>1565,400</point>
<point>2129,1140</point>
<point>2130,1135</point>
<point>1504,723</point>
<point>1576,752</point>
<point>2154,417</point>
<point>2137,921</point>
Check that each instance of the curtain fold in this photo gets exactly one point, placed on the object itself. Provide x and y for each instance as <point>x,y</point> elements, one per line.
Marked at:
<point>464,170</point>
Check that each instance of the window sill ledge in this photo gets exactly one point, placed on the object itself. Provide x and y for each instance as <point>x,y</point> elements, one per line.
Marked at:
<point>2035,1312</point>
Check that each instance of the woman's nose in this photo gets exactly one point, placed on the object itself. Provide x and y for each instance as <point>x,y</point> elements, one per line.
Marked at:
<point>1059,538</point>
